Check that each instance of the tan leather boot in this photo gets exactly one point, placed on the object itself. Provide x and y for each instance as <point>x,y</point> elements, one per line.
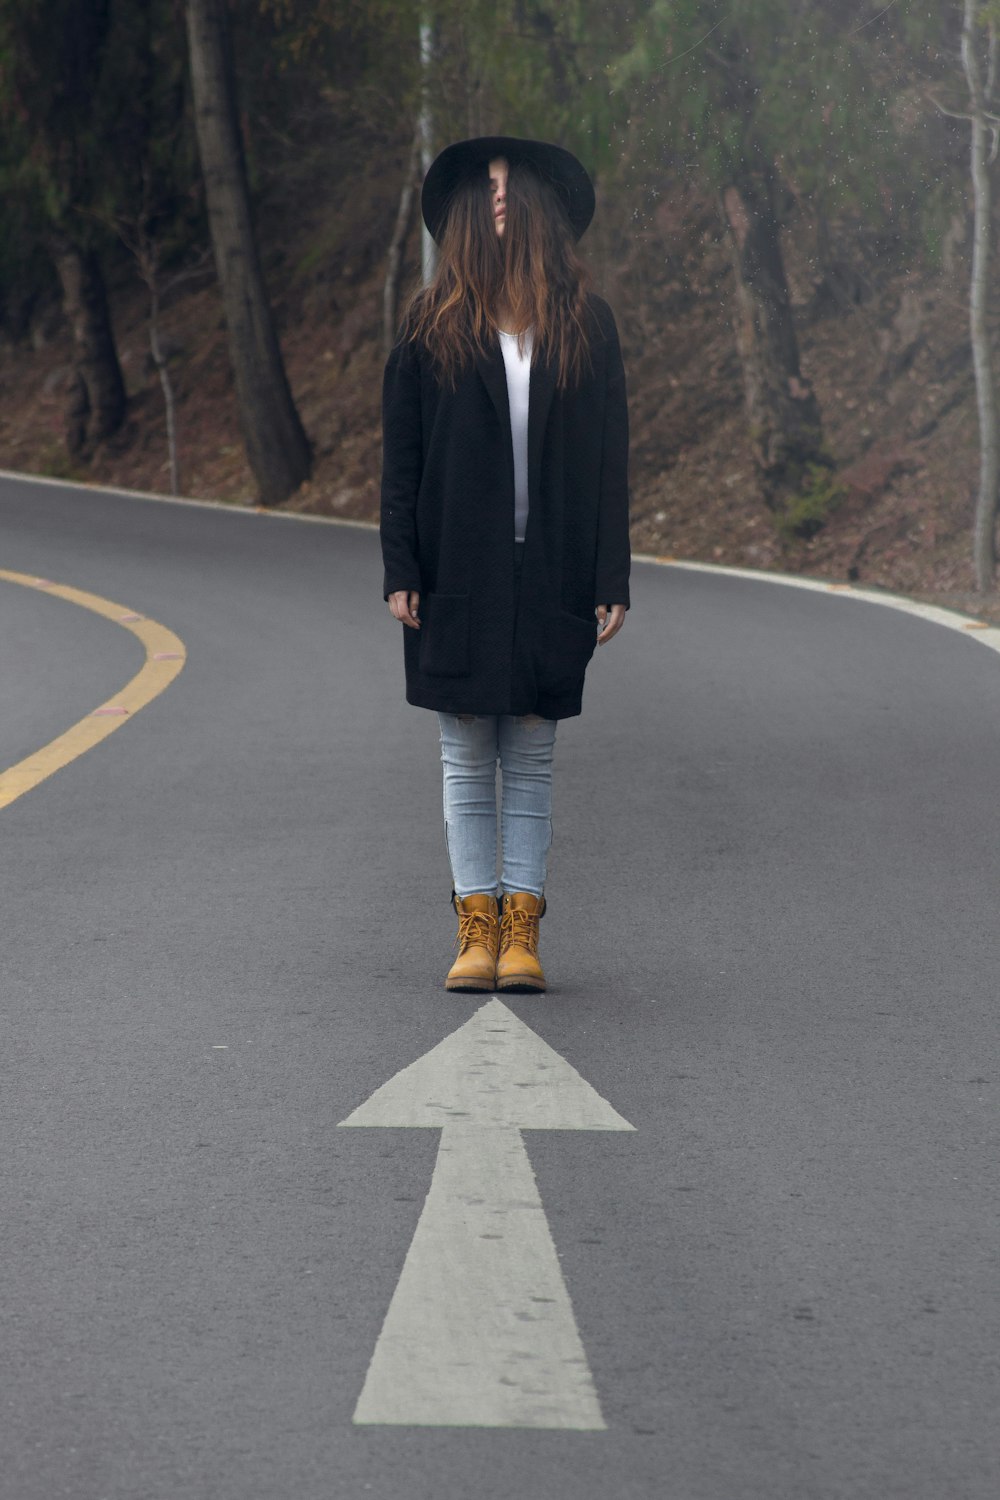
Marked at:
<point>478,938</point>
<point>518,967</point>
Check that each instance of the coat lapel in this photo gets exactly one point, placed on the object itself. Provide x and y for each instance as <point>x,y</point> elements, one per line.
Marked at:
<point>494,376</point>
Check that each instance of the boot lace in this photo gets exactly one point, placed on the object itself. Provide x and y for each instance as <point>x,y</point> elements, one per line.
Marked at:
<point>475,930</point>
<point>519,928</point>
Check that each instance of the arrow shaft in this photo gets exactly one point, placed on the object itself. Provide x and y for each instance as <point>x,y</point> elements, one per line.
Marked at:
<point>480,1331</point>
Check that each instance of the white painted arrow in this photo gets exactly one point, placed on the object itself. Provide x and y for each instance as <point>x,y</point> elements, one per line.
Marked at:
<point>480,1331</point>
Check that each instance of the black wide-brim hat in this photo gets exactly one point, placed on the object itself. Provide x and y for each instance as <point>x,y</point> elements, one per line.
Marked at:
<point>461,160</point>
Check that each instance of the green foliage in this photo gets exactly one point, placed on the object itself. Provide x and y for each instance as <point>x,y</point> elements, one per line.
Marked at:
<point>25,276</point>
<point>519,67</point>
<point>94,95</point>
<point>808,86</point>
<point>93,112</point>
<point>360,58</point>
<point>95,118</point>
<point>536,68</point>
<point>801,516</point>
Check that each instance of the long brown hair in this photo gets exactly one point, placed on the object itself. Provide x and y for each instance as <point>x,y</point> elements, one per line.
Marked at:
<point>532,271</point>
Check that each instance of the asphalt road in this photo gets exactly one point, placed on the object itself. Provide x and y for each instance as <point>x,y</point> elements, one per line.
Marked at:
<point>772,942</point>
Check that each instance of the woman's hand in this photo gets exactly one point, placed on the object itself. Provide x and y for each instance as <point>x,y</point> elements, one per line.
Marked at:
<point>611,618</point>
<point>405,606</point>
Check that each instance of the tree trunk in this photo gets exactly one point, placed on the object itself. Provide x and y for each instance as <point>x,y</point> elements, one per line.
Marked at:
<point>980,98</point>
<point>97,402</point>
<point>390,292</point>
<point>276,445</point>
<point>785,425</point>
<point>166,384</point>
<point>425,127</point>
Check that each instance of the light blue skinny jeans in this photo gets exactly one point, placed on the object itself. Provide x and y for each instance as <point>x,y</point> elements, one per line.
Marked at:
<point>471,746</point>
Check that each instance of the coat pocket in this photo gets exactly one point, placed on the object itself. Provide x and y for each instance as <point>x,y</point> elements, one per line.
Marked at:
<point>444,635</point>
<point>568,646</point>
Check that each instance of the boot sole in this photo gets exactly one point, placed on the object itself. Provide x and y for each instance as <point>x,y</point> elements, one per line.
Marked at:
<point>523,984</point>
<point>468,986</point>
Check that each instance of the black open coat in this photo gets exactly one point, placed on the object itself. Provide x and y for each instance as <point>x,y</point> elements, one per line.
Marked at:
<point>448,526</point>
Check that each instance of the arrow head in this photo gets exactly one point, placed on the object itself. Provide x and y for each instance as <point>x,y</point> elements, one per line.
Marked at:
<point>496,1073</point>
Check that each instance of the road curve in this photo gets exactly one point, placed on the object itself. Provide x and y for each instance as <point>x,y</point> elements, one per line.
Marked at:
<point>772,942</point>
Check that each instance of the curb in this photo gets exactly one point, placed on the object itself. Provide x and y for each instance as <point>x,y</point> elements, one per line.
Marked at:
<point>950,619</point>
<point>231,507</point>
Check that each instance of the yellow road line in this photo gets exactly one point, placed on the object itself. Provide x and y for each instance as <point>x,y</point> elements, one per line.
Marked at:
<point>165,656</point>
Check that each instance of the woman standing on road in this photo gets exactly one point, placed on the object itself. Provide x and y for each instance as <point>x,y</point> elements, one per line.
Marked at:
<point>504,517</point>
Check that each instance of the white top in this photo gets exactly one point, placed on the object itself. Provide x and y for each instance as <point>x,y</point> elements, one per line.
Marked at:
<point>518,367</point>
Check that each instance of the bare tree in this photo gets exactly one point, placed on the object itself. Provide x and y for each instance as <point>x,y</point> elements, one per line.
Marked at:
<point>425,131</point>
<point>981,79</point>
<point>276,444</point>
<point>140,237</point>
<point>390,292</point>
<point>982,83</point>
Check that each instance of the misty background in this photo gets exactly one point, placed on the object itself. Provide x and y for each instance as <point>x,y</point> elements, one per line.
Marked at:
<point>209,223</point>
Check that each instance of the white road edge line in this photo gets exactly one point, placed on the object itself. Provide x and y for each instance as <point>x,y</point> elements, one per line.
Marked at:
<point>230,507</point>
<point>987,635</point>
<point>976,630</point>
